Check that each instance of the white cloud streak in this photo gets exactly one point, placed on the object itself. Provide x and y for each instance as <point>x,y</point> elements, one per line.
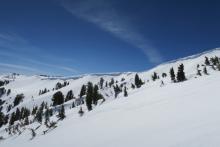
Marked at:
<point>20,67</point>
<point>101,13</point>
<point>13,42</point>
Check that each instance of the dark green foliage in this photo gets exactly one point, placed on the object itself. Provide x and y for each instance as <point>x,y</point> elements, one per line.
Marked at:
<point>81,112</point>
<point>43,91</point>
<point>154,76</point>
<point>125,92</point>
<point>180,74</point>
<point>214,60</point>
<point>138,82</point>
<point>164,75</point>
<point>12,119</point>
<point>26,121</point>
<point>58,98</point>
<point>73,105</point>
<point>39,114</point>
<point>172,75</point>
<point>17,114</point>
<point>95,95</point>
<point>117,90</point>
<point>101,83</point>
<point>89,96</point>
<point>60,85</point>
<point>2,91</point>
<point>83,91</point>
<point>34,111</point>
<point>207,61</point>
<point>69,96</point>
<point>111,82</point>
<point>205,71</point>
<point>198,71</point>
<point>47,116</point>
<point>18,99</point>
<point>61,114</point>
<point>132,86</point>
<point>8,92</point>
<point>2,119</point>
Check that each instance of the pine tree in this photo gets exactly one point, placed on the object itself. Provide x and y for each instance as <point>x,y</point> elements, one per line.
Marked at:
<point>83,91</point>
<point>17,114</point>
<point>117,90</point>
<point>205,71</point>
<point>132,86</point>
<point>138,82</point>
<point>69,96</point>
<point>111,82</point>
<point>125,92</point>
<point>101,82</point>
<point>180,74</point>
<point>172,75</point>
<point>207,61</point>
<point>61,114</point>
<point>2,119</point>
<point>81,112</point>
<point>89,96</point>
<point>26,121</point>
<point>198,71</point>
<point>58,98</point>
<point>12,119</point>
<point>47,116</point>
<point>95,95</point>
<point>154,76</point>
<point>39,114</point>
<point>73,105</point>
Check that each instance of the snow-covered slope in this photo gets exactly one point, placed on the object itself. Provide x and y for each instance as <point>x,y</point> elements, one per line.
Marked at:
<point>174,115</point>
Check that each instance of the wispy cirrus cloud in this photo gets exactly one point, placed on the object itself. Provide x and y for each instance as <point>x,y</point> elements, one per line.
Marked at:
<point>12,46</point>
<point>20,67</point>
<point>103,14</point>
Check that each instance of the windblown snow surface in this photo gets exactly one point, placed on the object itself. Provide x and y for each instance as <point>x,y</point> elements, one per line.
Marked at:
<point>185,114</point>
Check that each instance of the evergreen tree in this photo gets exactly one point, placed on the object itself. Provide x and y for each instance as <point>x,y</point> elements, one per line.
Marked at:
<point>26,121</point>
<point>117,90</point>
<point>95,95</point>
<point>39,114</point>
<point>58,98</point>
<point>18,99</point>
<point>73,105</point>
<point>2,119</point>
<point>138,82</point>
<point>218,66</point>
<point>180,74</point>
<point>83,91</point>
<point>164,75</point>
<point>69,96</point>
<point>154,76</point>
<point>132,86</point>
<point>112,82</point>
<point>81,112</point>
<point>207,61</point>
<point>17,114</point>
<point>198,71</point>
<point>101,82</point>
<point>89,96</point>
<point>61,114</point>
<point>8,92</point>
<point>205,71</point>
<point>125,92</point>
<point>34,111</point>
<point>12,119</point>
<point>47,116</point>
<point>172,75</point>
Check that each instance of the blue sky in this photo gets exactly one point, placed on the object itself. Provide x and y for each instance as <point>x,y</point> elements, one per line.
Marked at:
<point>71,37</point>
